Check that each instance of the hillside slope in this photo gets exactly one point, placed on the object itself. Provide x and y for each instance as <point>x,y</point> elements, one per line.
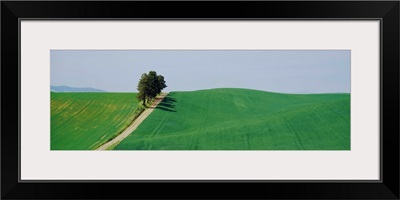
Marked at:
<point>242,119</point>
<point>82,121</point>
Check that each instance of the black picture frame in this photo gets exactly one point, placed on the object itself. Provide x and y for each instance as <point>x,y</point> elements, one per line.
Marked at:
<point>13,11</point>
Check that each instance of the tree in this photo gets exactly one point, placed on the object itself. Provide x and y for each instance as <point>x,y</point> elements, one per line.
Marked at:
<point>150,85</point>
<point>161,83</point>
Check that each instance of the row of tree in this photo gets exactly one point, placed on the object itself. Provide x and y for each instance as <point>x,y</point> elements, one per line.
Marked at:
<point>150,85</point>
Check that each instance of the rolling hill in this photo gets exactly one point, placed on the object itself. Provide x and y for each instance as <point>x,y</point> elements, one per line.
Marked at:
<point>73,89</point>
<point>243,119</point>
<point>83,121</point>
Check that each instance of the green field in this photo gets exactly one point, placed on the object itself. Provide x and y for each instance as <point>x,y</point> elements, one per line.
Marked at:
<point>82,121</point>
<point>242,119</point>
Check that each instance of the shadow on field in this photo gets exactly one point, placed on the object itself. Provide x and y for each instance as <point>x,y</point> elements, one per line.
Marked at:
<point>167,104</point>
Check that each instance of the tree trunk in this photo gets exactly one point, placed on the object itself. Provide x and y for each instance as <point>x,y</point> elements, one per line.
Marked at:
<point>144,101</point>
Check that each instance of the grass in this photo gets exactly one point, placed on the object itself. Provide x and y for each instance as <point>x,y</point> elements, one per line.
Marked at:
<point>84,121</point>
<point>242,119</point>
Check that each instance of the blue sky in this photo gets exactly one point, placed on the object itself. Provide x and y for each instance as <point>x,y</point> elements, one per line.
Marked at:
<point>285,71</point>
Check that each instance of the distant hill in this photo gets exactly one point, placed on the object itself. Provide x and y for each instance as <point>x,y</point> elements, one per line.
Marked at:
<point>73,89</point>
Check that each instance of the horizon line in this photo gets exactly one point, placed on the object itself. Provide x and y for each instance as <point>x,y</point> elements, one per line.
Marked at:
<point>105,91</point>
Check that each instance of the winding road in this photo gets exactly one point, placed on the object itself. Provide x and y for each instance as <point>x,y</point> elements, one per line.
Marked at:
<point>134,124</point>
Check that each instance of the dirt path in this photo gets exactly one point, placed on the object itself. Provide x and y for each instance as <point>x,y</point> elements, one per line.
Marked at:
<point>134,124</point>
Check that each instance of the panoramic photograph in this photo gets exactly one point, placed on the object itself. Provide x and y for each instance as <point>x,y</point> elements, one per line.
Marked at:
<point>200,100</point>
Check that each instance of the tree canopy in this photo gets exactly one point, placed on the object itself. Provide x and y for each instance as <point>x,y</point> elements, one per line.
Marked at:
<point>150,85</point>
